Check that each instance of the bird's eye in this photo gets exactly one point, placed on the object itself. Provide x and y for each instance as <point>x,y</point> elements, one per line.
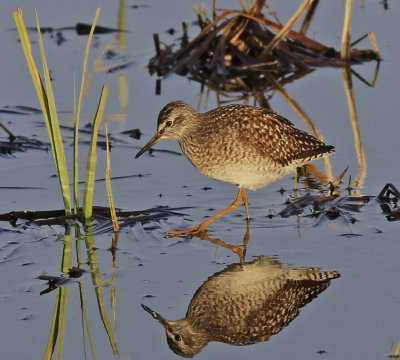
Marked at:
<point>178,338</point>
<point>168,123</point>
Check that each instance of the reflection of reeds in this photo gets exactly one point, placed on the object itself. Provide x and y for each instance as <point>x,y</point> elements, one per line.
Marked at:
<point>359,182</point>
<point>120,36</point>
<point>58,325</point>
<point>307,19</point>
<point>345,53</point>
<point>99,284</point>
<point>57,328</point>
<point>85,319</point>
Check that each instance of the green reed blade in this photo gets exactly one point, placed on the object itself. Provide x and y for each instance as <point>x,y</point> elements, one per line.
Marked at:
<point>77,112</point>
<point>75,148</point>
<point>37,81</point>
<point>47,103</point>
<point>55,131</point>
<point>92,158</point>
<point>108,185</point>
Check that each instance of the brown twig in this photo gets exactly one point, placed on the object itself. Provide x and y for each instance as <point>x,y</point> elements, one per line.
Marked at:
<point>11,136</point>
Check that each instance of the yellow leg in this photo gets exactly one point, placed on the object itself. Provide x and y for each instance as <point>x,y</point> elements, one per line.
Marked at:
<point>246,204</point>
<point>204,225</point>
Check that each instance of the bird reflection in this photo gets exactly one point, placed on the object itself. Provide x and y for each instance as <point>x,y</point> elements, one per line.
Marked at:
<point>244,305</point>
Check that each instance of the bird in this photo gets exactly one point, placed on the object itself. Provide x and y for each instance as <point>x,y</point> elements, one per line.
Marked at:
<point>244,145</point>
<point>243,305</point>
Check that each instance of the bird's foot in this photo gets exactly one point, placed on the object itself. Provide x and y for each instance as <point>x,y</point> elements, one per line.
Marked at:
<point>187,233</point>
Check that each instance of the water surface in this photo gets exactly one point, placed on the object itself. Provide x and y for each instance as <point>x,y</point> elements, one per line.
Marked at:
<point>357,316</point>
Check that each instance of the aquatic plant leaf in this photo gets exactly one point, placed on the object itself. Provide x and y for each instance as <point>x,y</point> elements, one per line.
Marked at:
<point>47,104</point>
<point>108,185</point>
<point>92,158</point>
<point>77,111</point>
<point>54,129</point>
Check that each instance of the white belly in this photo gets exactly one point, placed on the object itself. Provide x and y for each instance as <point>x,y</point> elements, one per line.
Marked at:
<point>250,177</point>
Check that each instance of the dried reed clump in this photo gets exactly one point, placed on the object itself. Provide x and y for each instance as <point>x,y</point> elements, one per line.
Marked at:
<point>241,50</point>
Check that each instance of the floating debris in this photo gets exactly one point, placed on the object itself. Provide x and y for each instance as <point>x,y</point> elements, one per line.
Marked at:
<point>54,282</point>
<point>389,192</point>
<point>119,67</point>
<point>139,6</point>
<point>80,28</point>
<point>20,110</point>
<point>134,133</point>
<point>101,215</point>
<point>327,206</point>
<point>389,197</point>
<point>245,51</point>
<point>20,144</point>
<point>333,206</point>
<point>84,29</point>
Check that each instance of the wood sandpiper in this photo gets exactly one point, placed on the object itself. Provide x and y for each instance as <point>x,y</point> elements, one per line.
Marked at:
<point>239,144</point>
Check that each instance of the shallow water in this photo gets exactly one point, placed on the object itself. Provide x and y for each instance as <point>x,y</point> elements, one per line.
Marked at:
<point>357,316</point>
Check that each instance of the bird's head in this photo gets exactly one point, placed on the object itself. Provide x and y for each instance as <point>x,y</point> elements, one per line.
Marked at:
<point>174,121</point>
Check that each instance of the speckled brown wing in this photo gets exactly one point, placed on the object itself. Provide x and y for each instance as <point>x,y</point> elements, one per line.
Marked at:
<point>276,138</point>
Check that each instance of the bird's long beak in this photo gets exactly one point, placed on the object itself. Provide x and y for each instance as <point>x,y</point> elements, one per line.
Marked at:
<point>155,139</point>
<point>164,322</point>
